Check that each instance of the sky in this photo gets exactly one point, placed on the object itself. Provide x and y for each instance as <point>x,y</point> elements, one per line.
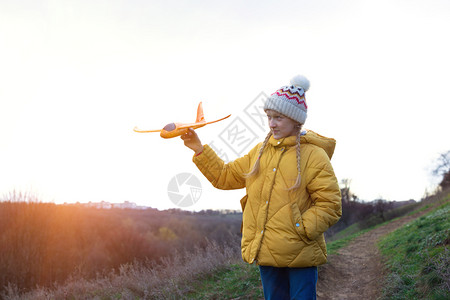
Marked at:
<point>78,76</point>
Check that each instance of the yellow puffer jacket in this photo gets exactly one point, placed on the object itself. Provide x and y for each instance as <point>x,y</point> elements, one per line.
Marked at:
<point>281,227</point>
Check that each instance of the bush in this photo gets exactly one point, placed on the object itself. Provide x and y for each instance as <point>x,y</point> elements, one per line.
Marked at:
<point>43,243</point>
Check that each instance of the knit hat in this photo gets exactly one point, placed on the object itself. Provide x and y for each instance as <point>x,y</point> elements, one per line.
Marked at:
<point>290,100</point>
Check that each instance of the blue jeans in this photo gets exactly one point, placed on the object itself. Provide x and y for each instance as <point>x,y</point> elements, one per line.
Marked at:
<point>289,283</point>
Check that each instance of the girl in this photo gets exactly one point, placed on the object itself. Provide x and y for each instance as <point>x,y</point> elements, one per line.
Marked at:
<point>292,196</point>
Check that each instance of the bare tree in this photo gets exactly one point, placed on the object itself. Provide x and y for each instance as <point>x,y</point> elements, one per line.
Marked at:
<point>443,169</point>
<point>345,190</point>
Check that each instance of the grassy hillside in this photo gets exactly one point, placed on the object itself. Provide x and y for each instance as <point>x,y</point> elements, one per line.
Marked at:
<point>418,257</point>
<point>430,249</point>
<point>417,254</point>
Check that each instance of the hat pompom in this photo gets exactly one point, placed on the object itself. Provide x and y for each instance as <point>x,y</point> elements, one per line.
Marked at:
<point>300,81</point>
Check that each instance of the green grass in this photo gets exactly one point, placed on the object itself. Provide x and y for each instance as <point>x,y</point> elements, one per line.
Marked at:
<point>232,282</point>
<point>417,257</point>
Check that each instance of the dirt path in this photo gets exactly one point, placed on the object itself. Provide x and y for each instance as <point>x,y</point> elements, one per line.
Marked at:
<point>356,272</point>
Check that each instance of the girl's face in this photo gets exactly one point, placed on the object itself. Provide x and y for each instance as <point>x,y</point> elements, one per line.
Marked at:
<point>280,125</point>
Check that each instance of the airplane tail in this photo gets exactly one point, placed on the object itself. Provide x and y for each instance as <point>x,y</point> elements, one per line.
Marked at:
<point>200,116</point>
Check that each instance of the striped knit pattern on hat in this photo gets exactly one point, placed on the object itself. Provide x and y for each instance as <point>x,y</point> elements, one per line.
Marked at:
<point>289,101</point>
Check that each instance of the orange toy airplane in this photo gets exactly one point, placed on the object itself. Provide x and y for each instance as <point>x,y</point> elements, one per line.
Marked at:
<point>176,129</point>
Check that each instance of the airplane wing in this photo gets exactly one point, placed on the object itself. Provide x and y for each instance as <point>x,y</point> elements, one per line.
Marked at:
<point>144,131</point>
<point>199,124</point>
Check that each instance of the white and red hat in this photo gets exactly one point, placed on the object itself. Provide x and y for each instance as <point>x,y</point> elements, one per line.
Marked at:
<point>290,100</point>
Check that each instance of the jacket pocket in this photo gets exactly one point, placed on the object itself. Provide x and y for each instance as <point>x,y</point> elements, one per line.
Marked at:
<point>298,223</point>
<point>243,204</point>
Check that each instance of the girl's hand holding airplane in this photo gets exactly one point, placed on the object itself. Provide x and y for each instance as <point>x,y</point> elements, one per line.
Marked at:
<point>185,131</point>
<point>192,141</point>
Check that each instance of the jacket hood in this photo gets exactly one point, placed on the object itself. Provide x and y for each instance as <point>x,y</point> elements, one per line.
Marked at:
<point>311,137</point>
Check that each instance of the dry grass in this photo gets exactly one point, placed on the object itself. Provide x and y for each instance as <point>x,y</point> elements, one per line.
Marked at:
<point>172,279</point>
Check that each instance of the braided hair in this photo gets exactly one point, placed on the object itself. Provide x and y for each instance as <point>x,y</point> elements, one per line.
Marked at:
<point>255,168</point>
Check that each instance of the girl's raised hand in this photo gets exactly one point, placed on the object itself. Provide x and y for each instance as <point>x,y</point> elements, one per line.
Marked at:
<point>192,141</point>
